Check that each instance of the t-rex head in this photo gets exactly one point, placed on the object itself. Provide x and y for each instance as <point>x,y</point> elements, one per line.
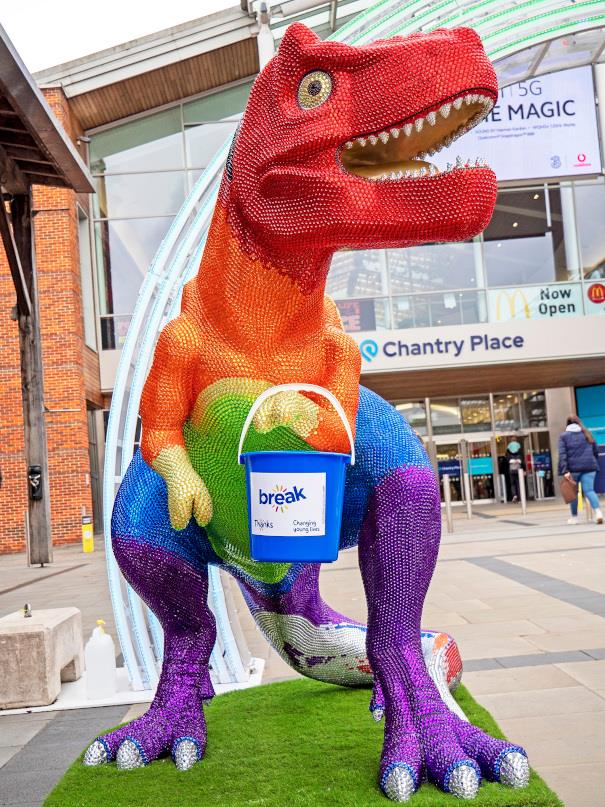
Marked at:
<point>332,151</point>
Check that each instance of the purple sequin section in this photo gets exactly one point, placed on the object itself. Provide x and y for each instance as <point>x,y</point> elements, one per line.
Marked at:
<point>179,602</point>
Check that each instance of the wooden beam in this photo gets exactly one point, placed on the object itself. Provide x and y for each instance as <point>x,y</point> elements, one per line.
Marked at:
<point>11,176</point>
<point>19,153</point>
<point>32,386</point>
<point>16,138</point>
<point>24,304</point>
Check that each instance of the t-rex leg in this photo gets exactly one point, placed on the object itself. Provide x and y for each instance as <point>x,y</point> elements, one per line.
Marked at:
<point>168,571</point>
<point>398,545</point>
<point>311,637</point>
<point>320,643</point>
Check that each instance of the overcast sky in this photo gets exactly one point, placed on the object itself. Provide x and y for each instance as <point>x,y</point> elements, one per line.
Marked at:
<point>50,32</point>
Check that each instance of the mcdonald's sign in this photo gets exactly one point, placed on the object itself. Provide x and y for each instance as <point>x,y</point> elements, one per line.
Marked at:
<point>510,298</point>
<point>596,293</point>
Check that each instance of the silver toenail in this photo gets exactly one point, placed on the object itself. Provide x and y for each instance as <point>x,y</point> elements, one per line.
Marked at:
<point>96,754</point>
<point>185,755</point>
<point>463,782</point>
<point>399,785</point>
<point>514,770</point>
<point>129,756</point>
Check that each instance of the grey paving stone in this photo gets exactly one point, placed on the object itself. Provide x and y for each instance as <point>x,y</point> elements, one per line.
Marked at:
<point>480,664</point>
<point>30,775</point>
<point>536,659</point>
<point>585,598</point>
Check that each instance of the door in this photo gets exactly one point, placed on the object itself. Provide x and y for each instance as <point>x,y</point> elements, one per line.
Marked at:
<point>449,462</point>
<point>480,468</point>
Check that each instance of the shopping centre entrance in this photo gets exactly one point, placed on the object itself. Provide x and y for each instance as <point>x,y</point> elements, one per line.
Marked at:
<point>478,436</point>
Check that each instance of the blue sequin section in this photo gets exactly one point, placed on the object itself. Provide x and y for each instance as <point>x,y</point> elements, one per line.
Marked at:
<point>384,442</point>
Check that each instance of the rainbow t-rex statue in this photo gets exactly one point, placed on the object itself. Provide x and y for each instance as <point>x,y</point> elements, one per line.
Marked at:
<point>330,155</point>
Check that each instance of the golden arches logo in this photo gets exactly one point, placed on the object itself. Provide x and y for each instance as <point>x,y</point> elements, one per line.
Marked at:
<point>511,299</point>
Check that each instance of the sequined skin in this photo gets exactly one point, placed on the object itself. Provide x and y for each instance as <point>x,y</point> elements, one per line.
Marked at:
<point>256,315</point>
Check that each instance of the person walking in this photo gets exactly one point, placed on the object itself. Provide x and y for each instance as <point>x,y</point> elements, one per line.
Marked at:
<point>578,460</point>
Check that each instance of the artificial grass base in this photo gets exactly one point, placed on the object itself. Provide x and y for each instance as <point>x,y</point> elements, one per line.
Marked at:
<point>282,745</point>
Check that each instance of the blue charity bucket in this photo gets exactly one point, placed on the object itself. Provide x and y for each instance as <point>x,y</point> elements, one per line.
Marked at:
<point>295,498</point>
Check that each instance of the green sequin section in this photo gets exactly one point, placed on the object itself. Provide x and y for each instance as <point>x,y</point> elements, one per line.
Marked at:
<point>212,448</point>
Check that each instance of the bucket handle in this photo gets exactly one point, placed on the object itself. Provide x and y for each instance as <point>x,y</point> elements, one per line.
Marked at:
<point>296,388</point>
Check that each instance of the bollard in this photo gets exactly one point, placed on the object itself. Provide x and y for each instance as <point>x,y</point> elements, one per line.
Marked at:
<point>467,496</point>
<point>88,539</point>
<point>540,479</point>
<point>447,498</point>
<point>522,492</point>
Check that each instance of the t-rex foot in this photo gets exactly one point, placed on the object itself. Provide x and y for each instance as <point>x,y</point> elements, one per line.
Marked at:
<point>159,731</point>
<point>424,738</point>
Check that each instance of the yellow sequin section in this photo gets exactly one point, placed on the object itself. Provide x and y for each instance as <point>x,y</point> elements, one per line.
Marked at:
<point>187,493</point>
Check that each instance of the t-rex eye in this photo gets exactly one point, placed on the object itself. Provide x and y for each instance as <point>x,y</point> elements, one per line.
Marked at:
<point>314,89</point>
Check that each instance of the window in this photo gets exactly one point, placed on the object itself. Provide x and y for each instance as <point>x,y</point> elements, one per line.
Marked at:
<point>523,243</point>
<point>415,414</point>
<point>506,412</point>
<point>125,249</point>
<point>447,308</point>
<point>364,315</point>
<point>86,281</point>
<point>533,410</point>
<point>476,415</point>
<point>434,267</point>
<point>445,416</point>
<point>590,214</point>
<point>359,273</point>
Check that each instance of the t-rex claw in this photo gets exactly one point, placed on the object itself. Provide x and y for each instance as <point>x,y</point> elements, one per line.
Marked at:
<point>96,754</point>
<point>514,770</point>
<point>130,755</point>
<point>398,782</point>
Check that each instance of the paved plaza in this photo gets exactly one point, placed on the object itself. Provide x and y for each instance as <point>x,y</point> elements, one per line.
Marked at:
<point>523,595</point>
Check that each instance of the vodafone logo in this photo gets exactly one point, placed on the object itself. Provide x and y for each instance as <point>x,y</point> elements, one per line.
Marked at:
<point>581,161</point>
<point>596,293</point>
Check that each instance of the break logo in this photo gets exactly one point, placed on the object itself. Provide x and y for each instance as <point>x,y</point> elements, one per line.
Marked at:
<point>280,497</point>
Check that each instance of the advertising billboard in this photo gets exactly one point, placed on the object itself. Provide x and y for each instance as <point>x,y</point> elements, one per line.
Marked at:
<point>542,128</point>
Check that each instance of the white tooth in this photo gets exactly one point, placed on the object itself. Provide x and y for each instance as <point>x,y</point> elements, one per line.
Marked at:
<point>407,129</point>
<point>400,175</point>
<point>349,144</point>
<point>384,136</point>
<point>468,99</point>
<point>395,133</point>
<point>362,141</point>
<point>445,110</point>
<point>432,118</point>
<point>448,167</point>
<point>459,162</point>
<point>408,174</point>
<point>422,172</point>
<point>373,139</point>
<point>457,103</point>
<point>418,123</point>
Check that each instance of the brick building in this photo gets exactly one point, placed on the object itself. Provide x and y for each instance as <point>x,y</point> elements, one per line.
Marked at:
<point>71,369</point>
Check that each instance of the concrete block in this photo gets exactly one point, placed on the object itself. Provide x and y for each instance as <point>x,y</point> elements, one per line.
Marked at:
<point>37,653</point>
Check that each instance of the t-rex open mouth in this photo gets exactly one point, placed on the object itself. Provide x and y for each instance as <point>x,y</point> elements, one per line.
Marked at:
<point>397,152</point>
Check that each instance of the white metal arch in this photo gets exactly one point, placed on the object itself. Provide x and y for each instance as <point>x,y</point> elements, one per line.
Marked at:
<point>510,30</point>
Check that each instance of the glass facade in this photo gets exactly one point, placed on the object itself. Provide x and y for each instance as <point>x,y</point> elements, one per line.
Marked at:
<point>541,256</point>
<point>542,242</point>
<point>471,436</point>
<point>144,168</point>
